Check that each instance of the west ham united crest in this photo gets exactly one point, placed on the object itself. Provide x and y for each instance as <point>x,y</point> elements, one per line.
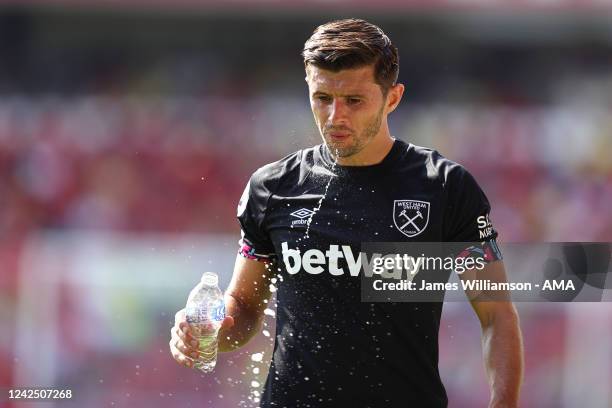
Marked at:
<point>410,216</point>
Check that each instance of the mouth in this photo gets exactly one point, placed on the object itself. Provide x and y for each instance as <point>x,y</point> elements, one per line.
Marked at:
<point>339,136</point>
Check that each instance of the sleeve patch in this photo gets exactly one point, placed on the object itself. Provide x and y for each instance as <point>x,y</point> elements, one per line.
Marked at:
<point>249,252</point>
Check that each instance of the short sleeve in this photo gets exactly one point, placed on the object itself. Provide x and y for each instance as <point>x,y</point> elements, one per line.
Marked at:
<point>255,243</point>
<point>466,217</point>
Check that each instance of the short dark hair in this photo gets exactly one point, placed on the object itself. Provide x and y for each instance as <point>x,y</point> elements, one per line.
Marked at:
<point>353,43</point>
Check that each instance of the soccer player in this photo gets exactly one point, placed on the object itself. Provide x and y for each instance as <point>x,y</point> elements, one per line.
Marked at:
<point>307,215</point>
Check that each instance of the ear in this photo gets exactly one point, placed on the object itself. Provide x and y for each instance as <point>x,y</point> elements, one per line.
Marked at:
<point>394,96</point>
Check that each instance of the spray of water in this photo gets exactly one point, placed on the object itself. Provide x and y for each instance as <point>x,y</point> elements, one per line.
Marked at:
<point>256,358</point>
<point>320,203</point>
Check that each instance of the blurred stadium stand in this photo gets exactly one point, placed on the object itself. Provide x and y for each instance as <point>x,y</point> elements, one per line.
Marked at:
<point>128,134</point>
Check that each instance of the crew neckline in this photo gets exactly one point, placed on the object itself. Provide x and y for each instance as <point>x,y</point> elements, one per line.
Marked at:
<point>328,160</point>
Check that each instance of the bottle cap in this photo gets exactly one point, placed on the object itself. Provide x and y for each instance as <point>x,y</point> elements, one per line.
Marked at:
<point>210,279</point>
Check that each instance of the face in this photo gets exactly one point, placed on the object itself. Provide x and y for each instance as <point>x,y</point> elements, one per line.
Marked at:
<point>348,108</point>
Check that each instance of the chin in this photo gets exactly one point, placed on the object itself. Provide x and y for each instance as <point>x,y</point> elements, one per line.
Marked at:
<point>342,151</point>
<point>337,147</point>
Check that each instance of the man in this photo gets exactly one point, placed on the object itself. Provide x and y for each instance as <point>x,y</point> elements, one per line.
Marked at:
<point>308,214</point>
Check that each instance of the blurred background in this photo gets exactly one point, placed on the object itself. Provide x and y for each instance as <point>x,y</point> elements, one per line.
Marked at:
<point>128,131</point>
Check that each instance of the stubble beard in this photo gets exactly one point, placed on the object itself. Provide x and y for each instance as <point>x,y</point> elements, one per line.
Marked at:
<point>359,141</point>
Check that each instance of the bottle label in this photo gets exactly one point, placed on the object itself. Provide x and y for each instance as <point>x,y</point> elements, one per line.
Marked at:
<point>217,311</point>
<point>214,311</point>
<point>196,314</point>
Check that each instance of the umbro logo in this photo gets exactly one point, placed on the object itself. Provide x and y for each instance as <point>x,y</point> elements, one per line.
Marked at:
<point>302,213</point>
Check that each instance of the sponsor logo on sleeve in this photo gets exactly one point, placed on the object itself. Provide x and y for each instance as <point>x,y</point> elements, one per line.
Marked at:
<point>485,227</point>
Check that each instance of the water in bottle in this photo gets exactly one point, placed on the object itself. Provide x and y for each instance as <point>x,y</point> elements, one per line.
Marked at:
<point>204,312</point>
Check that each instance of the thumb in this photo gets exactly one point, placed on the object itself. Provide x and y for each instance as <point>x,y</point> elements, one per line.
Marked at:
<point>228,322</point>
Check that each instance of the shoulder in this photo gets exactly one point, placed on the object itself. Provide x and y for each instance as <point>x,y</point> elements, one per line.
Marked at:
<point>437,166</point>
<point>288,169</point>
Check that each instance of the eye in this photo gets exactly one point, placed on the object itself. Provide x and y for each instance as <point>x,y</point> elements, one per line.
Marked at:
<point>323,98</point>
<point>353,101</point>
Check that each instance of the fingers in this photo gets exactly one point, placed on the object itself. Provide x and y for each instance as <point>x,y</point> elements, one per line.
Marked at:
<point>183,346</point>
<point>183,331</point>
<point>183,353</point>
<point>185,334</point>
<point>179,317</point>
<point>179,357</point>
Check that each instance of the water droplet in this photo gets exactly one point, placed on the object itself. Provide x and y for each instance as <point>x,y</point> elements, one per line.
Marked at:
<point>320,203</point>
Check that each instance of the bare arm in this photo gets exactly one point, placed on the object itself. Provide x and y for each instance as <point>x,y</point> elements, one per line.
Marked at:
<point>502,344</point>
<point>245,301</point>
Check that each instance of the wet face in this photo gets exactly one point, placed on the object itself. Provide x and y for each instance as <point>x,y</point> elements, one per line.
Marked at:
<point>348,107</point>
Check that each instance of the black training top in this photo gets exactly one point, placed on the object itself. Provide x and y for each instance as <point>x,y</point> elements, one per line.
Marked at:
<point>330,346</point>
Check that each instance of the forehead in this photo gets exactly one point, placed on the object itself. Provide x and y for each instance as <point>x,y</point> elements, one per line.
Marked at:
<point>347,81</point>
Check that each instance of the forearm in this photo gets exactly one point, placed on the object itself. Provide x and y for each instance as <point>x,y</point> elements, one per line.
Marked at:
<point>503,356</point>
<point>247,323</point>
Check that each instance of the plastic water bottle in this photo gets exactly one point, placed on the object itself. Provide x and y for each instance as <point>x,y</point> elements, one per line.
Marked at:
<point>205,311</point>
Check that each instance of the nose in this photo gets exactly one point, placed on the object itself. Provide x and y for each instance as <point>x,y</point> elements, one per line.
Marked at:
<point>338,113</point>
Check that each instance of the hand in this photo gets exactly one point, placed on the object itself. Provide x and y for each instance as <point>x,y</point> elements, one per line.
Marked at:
<point>183,346</point>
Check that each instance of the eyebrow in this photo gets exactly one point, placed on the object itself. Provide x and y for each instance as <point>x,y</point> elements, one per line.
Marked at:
<point>349,95</point>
